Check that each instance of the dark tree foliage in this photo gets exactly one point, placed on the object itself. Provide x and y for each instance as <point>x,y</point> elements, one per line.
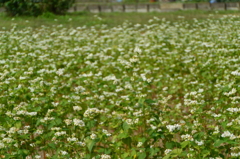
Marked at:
<point>36,7</point>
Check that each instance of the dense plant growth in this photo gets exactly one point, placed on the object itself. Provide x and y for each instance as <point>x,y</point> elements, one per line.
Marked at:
<point>36,7</point>
<point>159,90</point>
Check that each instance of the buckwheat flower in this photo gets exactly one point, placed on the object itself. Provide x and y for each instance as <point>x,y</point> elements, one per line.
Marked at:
<point>72,139</point>
<point>104,156</point>
<point>153,127</point>
<point>78,122</point>
<point>228,134</point>
<point>139,144</point>
<point>234,154</point>
<point>233,110</point>
<point>81,143</point>
<point>7,140</point>
<point>55,104</point>
<point>37,156</point>
<point>236,73</point>
<point>12,130</point>
<point>93,136</point>
<point>199,143</point>
<point>68,121</point>
<point>63,152</point>
<point>2,145</point>
<point>77,108</point>
<point>233,91</point>
<point>167,151</point>
<point>91,112</point>
<point>31,113</point>
<point>61,133</point>
<point>106,132</point>
<point>174,127</point>
<point>187,137</point>
<point>129,121</point>
<point>39,132</point>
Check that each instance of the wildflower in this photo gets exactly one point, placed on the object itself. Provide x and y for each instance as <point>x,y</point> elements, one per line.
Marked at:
<point>174,127</point>
<point>187,137</point>
<point>93,136</point>
<point>167,151</point>
<point>104,156</point>
<point>78,122</point>
<point>139,144</point>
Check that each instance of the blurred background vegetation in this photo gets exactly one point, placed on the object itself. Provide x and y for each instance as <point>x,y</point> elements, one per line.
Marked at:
<point>147,1</point>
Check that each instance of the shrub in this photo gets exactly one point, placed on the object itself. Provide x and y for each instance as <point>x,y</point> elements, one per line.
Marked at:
<point>22,7</point>
<point>36,7</point>
<point>58,6</point>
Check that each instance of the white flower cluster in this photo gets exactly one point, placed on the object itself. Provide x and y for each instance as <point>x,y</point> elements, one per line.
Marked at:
<point>174,127</point>
<point>199,143</point>
<point>187,137</point>
<point>93,136</point>
<point>104,156</point>
<point>106,132</point>
<point>233,91</point>
<point>167,151</point>
<point>91,112</point>
<point>233,110</point>
<point>78,122</point>
<point>139,144</point>
<point>228,134</point>
<point>234,154</point>
<point>236,73</point>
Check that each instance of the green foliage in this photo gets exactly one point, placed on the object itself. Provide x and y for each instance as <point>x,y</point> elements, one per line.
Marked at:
<point>161,89</point>
<point>22,7</point>
<point>36,7</point>
<point>58,6</point>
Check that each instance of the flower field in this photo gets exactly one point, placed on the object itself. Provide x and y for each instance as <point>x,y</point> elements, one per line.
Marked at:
<point>159,90</point>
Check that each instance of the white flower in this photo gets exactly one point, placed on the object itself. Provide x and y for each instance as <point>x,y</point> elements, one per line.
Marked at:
<point>77,108</point>
<point>63,152</point>
<point>91,112</point>
<point>78,122</point>
<point>139,144</point>
<point>187,137</point>
<point>104,156</point>
<point>72,139</point>
<point>2,145</point>
<point>174,127</point>
<point>37,156</point>
<point>167,151</point>
<point>199,143</point>
<point>228,134</point>
<point>93,136</point>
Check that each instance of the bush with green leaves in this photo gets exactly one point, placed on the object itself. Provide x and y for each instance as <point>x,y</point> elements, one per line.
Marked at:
<point>36,7</point>
<point>58,6</point>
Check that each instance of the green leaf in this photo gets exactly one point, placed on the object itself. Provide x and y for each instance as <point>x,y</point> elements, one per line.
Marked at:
<point>52,145</point>
<point>127,141</point>
<point>142,155</point>
<point>122,135</point>
<point>90,144</point>
<point>218,142</point>
<point>205,153</point>
<point>169,145</point>
<point>166,157</point>
<point>153,151</point>
<point>176,152</point>
<point>184,144</point>
<point>125,126</point>
<point>125,155</point>
<point>18,124</point>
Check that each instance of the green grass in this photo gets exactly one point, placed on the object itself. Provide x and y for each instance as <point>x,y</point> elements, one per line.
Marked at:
<point>110,19</point>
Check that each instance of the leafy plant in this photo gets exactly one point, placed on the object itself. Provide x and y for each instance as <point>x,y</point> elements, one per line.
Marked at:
<point>36,7</point>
